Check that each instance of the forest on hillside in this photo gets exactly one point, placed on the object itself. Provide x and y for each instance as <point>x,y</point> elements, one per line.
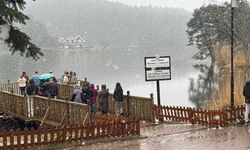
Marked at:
<point>109,25</point>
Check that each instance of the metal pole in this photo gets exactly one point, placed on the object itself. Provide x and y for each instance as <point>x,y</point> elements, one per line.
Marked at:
<point>158,92</point>
<point>232,57</point>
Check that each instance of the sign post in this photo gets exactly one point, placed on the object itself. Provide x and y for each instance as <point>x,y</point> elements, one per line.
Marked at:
<point>158,92</point>
<point>156,69</point>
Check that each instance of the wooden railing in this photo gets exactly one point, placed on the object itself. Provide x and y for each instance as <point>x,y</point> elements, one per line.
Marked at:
<point>198,116</point>
<point>170,113</point>
<point>135,106</point>
<point>58,111</point>
<point>64,114</point>
<point>10,86</point>
<point>29,138</point>
<point>235,114</point>
<point>13,104</point>
<point>208,117</point>
<point>141,107</point>
<point>52,111</point>
<point>65,91</point>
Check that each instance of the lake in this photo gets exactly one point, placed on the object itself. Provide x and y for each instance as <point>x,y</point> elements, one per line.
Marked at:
<point>107,67</point>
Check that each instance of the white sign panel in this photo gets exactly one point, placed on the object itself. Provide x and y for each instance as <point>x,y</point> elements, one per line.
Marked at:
<point>157,62</point>
<point>157,68</point>
<point>158,74</point>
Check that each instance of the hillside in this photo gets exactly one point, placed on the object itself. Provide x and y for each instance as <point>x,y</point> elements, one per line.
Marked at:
<point>110,25</point>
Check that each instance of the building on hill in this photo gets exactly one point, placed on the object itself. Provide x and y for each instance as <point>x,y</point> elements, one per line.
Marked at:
<point>72,42</point>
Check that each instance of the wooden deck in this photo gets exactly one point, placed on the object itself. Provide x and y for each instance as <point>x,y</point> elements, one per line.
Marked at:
<point>61,111</point>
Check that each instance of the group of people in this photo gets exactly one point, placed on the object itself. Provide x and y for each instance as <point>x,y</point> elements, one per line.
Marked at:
<point>84,92</point>
<point>36,86</point>
<point>69,77</point>
<point>87,93</point>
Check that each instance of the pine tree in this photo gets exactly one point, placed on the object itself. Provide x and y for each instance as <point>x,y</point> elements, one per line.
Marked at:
<point>11,16</point>
<point>212,23</point>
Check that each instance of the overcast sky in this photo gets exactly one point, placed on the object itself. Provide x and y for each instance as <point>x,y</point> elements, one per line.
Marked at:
<point>186,4</point>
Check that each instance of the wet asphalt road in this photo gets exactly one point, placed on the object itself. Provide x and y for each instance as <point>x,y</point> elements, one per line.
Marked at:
<point>180,137</point>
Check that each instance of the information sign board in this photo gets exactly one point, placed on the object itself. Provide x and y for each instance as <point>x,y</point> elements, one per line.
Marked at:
<point>157,68</point>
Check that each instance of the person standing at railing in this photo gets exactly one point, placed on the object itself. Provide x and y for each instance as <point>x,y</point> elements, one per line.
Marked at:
<point>246,93</point>
<point>31,88</point>
<point>103,99</point>
<point>66,77</point>
<point>24,74</point>
<point>76,97</point>
<point>86,93</point>
<point>73,78</point>
<point>118,96</point>
<point>93,100</point>
<point>36,80</point>
<point>22,84</point>
<point>50,89</point>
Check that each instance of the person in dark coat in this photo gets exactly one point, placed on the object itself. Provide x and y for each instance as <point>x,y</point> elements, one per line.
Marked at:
<point>50,89</point>
<point>86,93</point>
<point>246,93</point>
<point>31,88</point>
<point>93,100</point>
<point>118,96</point>
<point>103,99</point>
<point>40,87</point>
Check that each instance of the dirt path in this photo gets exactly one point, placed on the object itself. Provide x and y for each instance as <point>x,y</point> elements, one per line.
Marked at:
<point>181,137</point>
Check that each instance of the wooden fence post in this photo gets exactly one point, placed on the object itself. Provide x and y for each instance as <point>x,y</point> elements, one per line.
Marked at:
<point>153,107</point>
<point>190,116</point>
<point>89,111</point>
<point>4,134</point>
<point>9,86</point>
<point>161,115</point>
<point>128,103</point>
<point>68,115</point>
<point>12,144</point>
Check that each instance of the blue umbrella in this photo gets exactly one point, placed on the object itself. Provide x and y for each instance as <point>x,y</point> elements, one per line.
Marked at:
<point>46,76</point>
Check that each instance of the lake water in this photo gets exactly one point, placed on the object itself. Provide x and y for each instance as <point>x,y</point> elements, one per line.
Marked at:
<point>107,67</point>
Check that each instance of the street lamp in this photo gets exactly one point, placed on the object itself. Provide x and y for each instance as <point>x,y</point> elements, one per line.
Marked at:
<point>234,4</point>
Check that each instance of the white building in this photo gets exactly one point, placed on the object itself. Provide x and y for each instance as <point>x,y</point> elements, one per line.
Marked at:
<point>72,42</point>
